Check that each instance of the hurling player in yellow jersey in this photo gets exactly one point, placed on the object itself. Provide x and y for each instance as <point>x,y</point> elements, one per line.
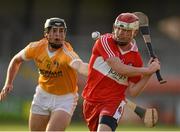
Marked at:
<point>56,93</point>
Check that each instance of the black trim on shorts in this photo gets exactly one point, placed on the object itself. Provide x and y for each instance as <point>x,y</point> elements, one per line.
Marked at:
<point>110,121</point>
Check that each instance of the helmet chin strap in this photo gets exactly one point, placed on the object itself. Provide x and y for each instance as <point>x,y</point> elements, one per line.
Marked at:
<point>122,43</point>
<point>55,46</point>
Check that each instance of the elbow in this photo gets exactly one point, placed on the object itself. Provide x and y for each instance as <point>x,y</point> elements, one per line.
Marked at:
<point>133,94</point>
<point>17,60</point>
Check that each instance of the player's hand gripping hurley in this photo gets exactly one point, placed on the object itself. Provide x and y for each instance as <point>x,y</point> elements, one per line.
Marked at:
<point>144,29</point>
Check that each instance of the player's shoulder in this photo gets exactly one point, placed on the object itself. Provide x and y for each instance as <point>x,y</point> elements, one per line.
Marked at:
<point>106,40</point>
<point>68,46</point>
<point>135,50</point>
<point>39,43</point>
<point>68,50</point>
<point>106,37</point>
<point>134,46</point>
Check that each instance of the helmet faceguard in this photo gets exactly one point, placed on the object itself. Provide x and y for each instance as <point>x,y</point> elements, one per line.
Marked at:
<point>127,21</point>
<point>58,22</point>
<point>54,22</point>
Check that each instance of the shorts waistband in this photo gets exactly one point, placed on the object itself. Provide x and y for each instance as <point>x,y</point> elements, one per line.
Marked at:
<point>40,89</point>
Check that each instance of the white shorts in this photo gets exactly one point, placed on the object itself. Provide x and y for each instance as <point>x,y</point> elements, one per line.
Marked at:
<point>44,103</point>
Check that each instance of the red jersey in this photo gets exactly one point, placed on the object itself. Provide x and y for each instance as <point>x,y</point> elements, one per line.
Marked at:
<point>103,83</point>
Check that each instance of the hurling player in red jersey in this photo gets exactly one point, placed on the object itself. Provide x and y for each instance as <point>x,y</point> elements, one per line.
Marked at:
<point>115,65</point>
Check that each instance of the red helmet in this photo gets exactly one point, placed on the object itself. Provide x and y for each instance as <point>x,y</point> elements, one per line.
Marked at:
<point>127,21</point>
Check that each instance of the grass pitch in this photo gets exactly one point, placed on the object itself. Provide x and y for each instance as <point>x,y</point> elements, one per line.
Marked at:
<point>82,127</point>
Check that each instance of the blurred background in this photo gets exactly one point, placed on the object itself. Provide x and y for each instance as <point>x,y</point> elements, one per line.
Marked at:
<point>22,21</point>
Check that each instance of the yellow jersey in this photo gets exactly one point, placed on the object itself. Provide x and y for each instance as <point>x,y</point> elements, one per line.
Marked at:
<point>55,74</point>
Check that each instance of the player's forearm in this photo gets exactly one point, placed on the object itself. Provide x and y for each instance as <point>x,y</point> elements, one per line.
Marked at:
<point>137,109</point>
<point>126,70</point>
<point>83,68</point>
<point>131,71</point>
<point>13,68</point>
<point>136,89</point>
<point>80,67</point>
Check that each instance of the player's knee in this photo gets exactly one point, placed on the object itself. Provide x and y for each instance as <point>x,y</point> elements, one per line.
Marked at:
<point>110,121</point>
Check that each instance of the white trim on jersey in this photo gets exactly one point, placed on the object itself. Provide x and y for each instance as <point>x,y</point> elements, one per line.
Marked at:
<point>106,47</point>
<point>69,53</point>
<point>101,66</point>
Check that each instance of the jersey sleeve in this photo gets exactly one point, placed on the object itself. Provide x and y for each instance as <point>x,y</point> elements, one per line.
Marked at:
<point>29,51</point>
<point>137,63</point>
<point>105,48</point>
<point>72,55</point>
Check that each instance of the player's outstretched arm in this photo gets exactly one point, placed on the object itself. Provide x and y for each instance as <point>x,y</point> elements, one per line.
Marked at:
<point>148,115</point>
<point>80,66</point>
<point>13,69</point>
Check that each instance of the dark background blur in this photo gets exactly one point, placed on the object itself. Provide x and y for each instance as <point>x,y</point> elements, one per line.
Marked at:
<point>22,21</point>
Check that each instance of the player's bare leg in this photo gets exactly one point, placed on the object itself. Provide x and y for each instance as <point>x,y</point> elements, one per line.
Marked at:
<point>59,121</point>
<point>103,127</point>
<point>38,122</point>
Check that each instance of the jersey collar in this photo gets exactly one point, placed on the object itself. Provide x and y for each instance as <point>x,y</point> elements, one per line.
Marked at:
<point>134,48</point>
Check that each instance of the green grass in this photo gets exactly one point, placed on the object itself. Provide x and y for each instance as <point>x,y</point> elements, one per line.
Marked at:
<point>82,127</point>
